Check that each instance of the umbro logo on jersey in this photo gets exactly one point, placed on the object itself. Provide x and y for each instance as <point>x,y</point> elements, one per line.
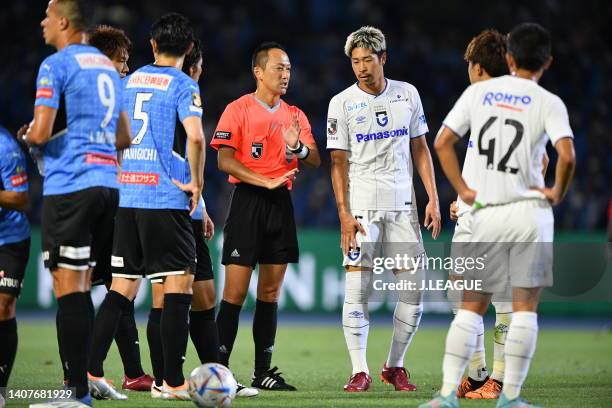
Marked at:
<point>235,253</point>
<point>256,150</point>
<point>360,119</point>
<point>356,314</point>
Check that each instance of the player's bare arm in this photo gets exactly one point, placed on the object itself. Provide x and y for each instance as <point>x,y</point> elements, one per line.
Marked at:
<point>564,171</point>
<point>228,163</point>
<point>348,224</point>
<point>123,138</point>
<point>545,161</point>
<point>445,149</point>
<point>196,158</point>
<point>208,225</point>
<point>424,165</point>
<point>453,211</point>
<point>13,200</point>
<point>41,127</point>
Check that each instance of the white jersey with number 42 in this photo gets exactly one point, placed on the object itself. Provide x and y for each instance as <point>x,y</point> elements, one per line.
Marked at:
<point>511,120</point>
<point>376,131</point>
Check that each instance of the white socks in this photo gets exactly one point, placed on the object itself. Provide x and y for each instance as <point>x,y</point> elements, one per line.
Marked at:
<point>356,319</point>
<point>406,320</point>
<point>478,366</point>
<point>460,345</point>
<point>503,316</point>
<point>520,346</point>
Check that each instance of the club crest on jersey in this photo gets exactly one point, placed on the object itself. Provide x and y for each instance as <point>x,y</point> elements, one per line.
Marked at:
<point>381,117</point>
<point>256,150</point>
<point>354,254</point>
<point>332,126</point>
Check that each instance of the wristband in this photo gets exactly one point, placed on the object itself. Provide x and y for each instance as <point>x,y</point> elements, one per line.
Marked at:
<point>301,151</point>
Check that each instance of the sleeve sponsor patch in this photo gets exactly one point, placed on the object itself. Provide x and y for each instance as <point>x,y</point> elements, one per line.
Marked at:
<point>19,179</point>
<point>44,93</point>
<point>223,135</point>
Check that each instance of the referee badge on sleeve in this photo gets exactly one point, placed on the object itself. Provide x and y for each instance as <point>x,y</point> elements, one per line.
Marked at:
<point>256,150</point>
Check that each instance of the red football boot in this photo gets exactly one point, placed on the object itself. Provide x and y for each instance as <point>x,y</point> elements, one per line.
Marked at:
<point>142,383</point>
<point>359,382</point>
<point>398,377</point>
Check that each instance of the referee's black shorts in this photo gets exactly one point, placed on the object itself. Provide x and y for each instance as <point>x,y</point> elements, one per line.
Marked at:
<point>260,227</point>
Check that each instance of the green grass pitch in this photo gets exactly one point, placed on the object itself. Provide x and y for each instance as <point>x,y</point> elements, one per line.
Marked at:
<point>571,368</point>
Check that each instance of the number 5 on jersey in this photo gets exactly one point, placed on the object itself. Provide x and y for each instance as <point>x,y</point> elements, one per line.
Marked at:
<point>139,114</point>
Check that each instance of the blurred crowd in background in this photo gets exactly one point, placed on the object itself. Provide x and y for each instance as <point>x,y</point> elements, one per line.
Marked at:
<point>425,40</point>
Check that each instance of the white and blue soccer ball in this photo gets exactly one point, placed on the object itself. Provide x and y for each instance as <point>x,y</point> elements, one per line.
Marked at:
<point>212,385</point>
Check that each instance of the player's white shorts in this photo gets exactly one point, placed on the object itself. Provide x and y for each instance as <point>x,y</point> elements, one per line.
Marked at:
<point>515,241</point>
<point>387,234</point>
<point>502,301</point>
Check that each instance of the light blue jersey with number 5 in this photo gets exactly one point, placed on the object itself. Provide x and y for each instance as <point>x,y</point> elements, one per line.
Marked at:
<point>157,99</point>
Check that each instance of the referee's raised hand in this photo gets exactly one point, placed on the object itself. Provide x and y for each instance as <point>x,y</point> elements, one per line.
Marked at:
<point>291,134</point>
<point>271,184</point>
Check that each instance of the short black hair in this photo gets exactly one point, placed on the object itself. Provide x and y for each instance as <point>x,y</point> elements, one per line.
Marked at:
<point>173,34</point>
<point>260,55</point>
<point>193,57</point>
<point>78,12</point>
<point>530,45</point>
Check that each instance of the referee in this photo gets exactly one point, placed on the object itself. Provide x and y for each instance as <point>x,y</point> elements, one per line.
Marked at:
<point>260,140</point>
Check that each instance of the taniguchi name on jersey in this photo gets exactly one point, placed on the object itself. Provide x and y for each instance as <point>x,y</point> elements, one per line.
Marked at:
<point>134,153</point>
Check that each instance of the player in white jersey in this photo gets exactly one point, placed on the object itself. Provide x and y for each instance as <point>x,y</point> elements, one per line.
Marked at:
<point>485,55</point>
<point>373,128</point>
<point>513,118</point>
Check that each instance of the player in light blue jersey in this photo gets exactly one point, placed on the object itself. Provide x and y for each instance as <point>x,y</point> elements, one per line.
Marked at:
<point>80,187</point>
<point>160,184</point>
<point>14,245</point>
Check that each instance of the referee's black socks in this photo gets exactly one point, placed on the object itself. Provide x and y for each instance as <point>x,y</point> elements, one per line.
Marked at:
<point>75,330</point>
<point>126,338</point>
<point>204,335</point>
<point>105,327</point>
<point>174,336</point>
<point>227,325</point>
<point>8,348</point>
<point>264,334</point>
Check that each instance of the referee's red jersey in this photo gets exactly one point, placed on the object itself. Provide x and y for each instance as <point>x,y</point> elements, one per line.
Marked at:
<point>255,131</point>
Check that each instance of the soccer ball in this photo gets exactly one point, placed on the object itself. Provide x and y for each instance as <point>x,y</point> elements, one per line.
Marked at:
<point>212,385</point>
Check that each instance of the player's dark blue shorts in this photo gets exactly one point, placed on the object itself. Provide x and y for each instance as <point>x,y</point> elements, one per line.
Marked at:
<point>77,229</point>
<point>260,227</point>
<point>155,243</point>
<point>13,262</point>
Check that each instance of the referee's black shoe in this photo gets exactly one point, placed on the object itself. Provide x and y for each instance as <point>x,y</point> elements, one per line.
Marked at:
<point>271,380</point>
